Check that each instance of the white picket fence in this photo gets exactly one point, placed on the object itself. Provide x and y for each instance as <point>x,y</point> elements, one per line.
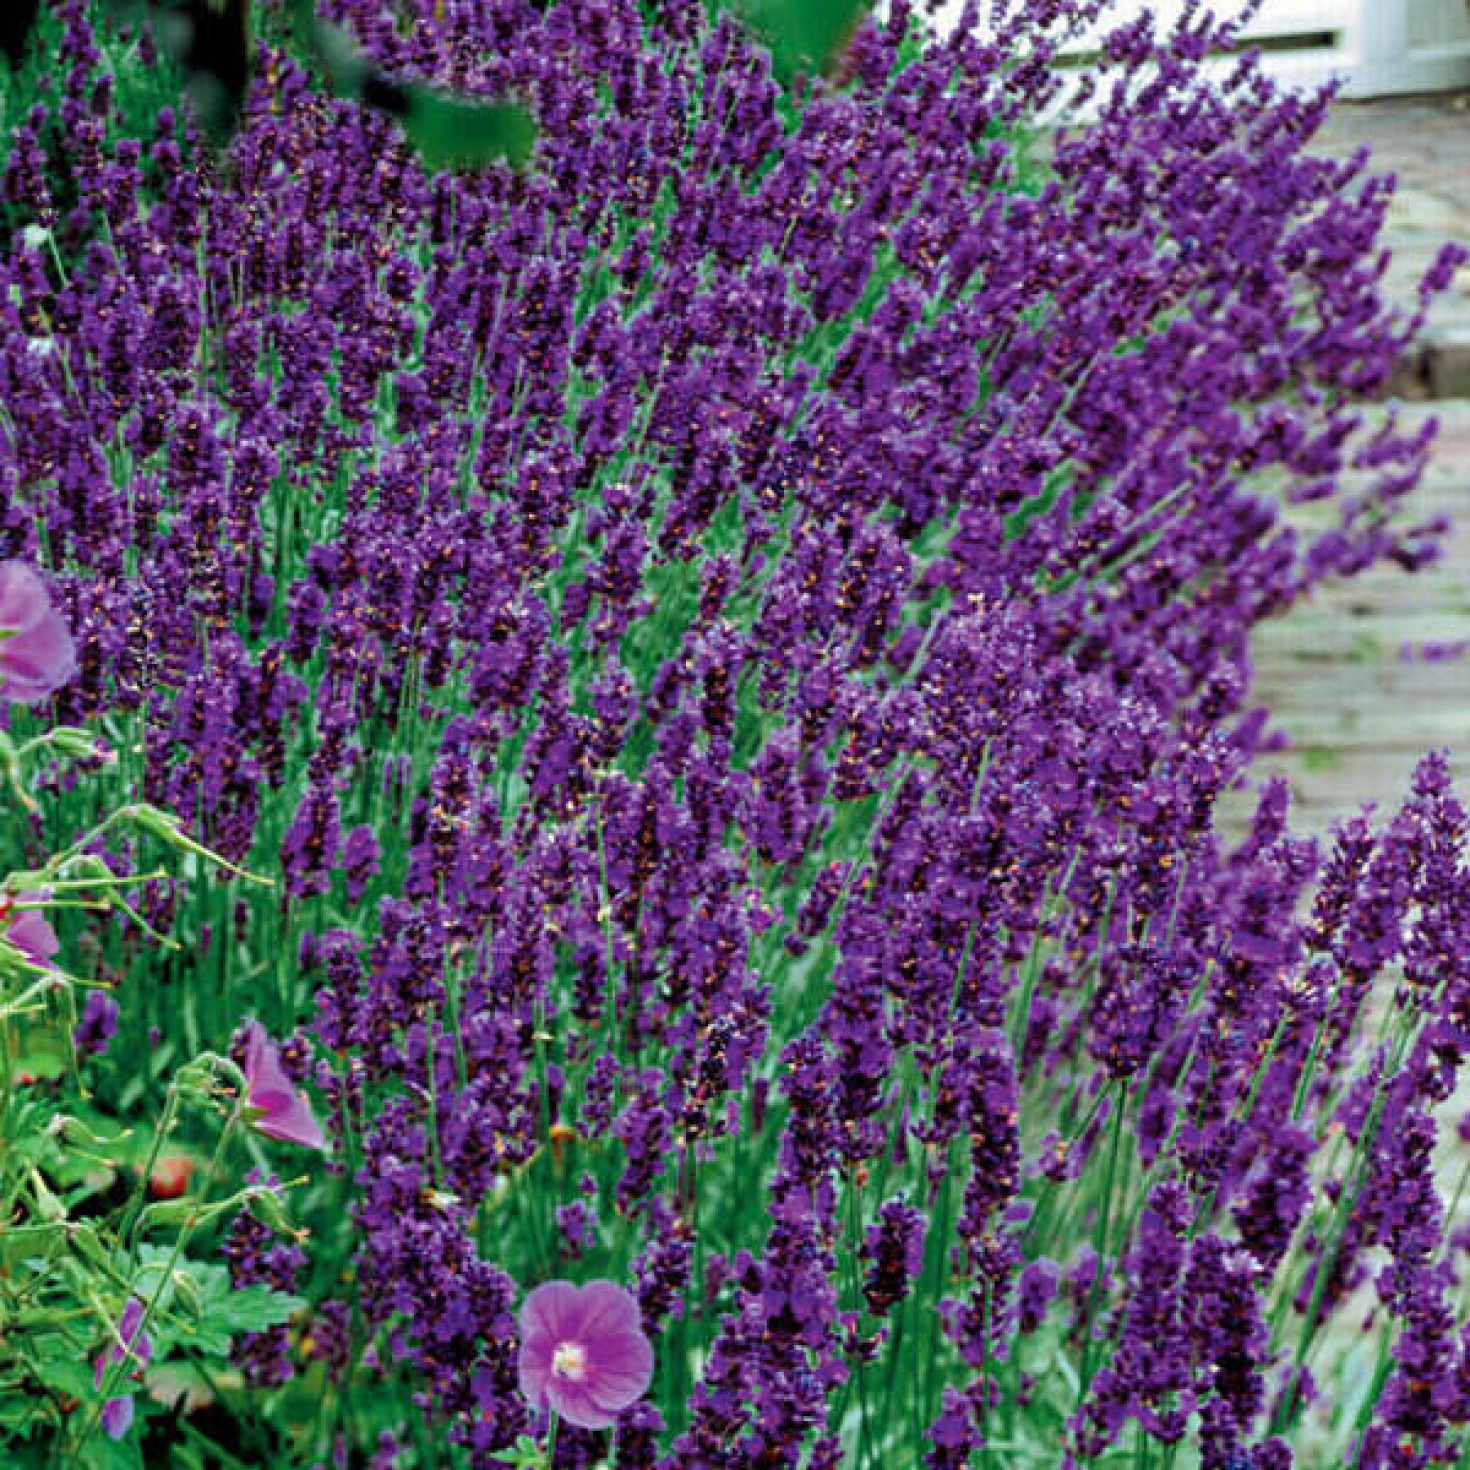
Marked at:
<point>1378,46</point>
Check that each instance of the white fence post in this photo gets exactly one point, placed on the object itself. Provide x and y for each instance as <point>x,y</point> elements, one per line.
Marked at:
<point>1409,46</point>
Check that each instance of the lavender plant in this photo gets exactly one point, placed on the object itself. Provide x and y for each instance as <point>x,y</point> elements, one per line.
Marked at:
<point>730,639</point>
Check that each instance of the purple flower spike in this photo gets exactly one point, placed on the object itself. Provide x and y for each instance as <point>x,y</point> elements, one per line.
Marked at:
<point>283,1111</point>
<point>36,652</point>
<point>117,1413</point>
<point>28,930</point>
<point>97,1026</point>
<point>583,1352</point>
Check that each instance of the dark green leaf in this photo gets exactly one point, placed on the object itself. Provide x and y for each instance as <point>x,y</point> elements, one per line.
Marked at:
<point>103,1453</point>
<point>804,35</point>
<point>252,1309</point>
<point>446,129</point>
<point>449,131</point>
<point>58,1368</point>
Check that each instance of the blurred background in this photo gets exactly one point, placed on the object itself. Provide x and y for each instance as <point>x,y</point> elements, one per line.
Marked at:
<point>1379,47</point>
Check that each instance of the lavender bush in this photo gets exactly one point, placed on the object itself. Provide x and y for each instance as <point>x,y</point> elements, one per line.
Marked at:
<point>729,640</point>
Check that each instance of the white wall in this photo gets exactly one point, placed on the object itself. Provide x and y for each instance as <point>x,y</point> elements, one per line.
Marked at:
<point>1379,46</point>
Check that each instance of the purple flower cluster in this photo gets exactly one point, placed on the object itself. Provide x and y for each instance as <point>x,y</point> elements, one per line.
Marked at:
<point>255,1256</point>
<point>730,640</point>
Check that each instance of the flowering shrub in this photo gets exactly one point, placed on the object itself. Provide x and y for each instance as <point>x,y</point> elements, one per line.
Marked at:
<point>730,639</point>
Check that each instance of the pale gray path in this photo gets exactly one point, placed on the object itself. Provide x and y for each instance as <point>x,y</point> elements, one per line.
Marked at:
<point>1331,669</point>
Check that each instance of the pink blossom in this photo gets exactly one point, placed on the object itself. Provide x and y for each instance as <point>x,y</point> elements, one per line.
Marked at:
<point>583,1352</point>
<point>282,1110</point>
<point>36,652</point>
<point>28,930</point>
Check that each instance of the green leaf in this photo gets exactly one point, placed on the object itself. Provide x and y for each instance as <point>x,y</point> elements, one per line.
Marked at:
<point>219,1310</point>
<point>1040,504</point>
<point>102,1453</point>
<point>253,1309</point>
<point>64,1372</point>
<point>448,130</point>
<point>804,35</point>
<point>43,1055</point>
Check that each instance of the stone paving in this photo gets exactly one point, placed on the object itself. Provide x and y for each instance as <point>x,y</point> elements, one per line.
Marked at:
<point>1331,671</point>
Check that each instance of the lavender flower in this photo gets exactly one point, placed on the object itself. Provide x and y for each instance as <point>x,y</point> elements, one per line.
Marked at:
<point>98,1024</point>
<point>767,596</point>
<point>893,1252</point>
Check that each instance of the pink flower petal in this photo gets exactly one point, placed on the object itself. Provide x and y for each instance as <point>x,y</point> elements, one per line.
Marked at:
<point>255,1046</point>
<point>286,1112</point>
<point>605,1307</point>
<point>534,1369</point>
<point>33,936</point>
<point>23,599</point>
<point>36,651</point>
<point>117,1416</point>
<point>601,1319</point>
<point>573,1402</point>
<point>138,1345</point>
<point>551,1311</point>
<point>293,1123</point>
<point>621,1371</point>
<point>269,1080</point>
<point>132,1320</point>
<point>37,655</point>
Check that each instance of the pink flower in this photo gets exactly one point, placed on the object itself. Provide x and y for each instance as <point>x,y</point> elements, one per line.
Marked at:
<point>117,1413</point>
<point>28,930</point>
<point>583,1352</point>
<point>36,652</point>
<point>283,1111</point>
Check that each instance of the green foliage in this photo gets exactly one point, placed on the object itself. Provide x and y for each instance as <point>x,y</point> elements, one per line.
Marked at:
<point>82,1239</point>
<point>804,35</point>
<point>448,131</point>
<point>213,1311</point>
<point>139,89</point>
<point>445,130</point>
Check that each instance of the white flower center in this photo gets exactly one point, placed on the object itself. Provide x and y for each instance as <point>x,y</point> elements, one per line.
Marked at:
<point>570,1360</point>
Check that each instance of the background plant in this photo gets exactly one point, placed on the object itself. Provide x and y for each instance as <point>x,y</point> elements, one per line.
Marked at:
<point>92,1265</point>
<point>730,639</point>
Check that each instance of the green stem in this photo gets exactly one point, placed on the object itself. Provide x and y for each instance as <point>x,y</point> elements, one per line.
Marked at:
<point>1104,1223</point>
<point>112,1377</point>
